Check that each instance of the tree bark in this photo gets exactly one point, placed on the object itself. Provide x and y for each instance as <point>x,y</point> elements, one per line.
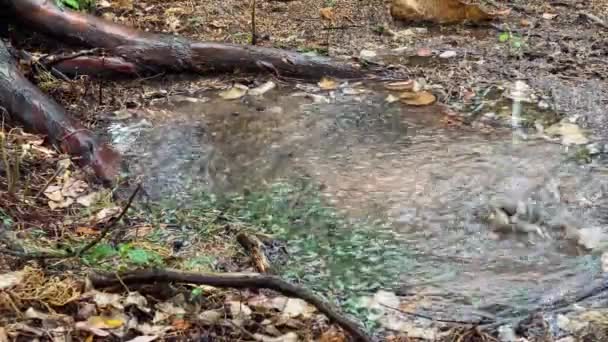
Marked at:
<point>25,103</point>
<point>156,53</point>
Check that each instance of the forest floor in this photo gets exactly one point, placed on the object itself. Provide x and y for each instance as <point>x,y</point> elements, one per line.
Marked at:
<point>558,48</point>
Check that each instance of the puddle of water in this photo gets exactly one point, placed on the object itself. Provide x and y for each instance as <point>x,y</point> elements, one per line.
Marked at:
<point>424,185</point>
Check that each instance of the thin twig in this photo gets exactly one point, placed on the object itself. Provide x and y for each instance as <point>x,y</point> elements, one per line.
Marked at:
<point>110,225</point>
<point>253,29</point>
<point>48,183</point>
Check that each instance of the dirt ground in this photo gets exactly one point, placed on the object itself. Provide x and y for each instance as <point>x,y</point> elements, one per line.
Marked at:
<point>564,59</point>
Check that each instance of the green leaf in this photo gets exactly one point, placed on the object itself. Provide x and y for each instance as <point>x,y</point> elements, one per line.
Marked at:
<point>196,292</point>
<point>100,252</point>
<point>504,37</point>
<point>140,256</point>
<point>517,43</point>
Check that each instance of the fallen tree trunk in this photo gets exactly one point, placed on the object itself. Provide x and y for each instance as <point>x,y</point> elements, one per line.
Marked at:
<point>25,103</point>
<point>157,53</point>
<point>233,280</point>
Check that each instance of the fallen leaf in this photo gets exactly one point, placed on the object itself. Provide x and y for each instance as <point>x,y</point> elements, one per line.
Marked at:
<point>53,193</point>
<point>333,335</point>
<point>180,324</point>
<point>327,83</point>
<point>440,11</point>
<point>571,134</point>
<point>408,95</point>
<point>400,86</point>
<point>66,202</point>
<point>234,93</point>
<point>327,13</point>
<point>210,317</point>
<point>135,298</point>
<point>8,280</point>
<point>166,310</point>
<point>104,4</point>
<point>292,307</point>
<point>368,55</point>
<point>143,338</point>
<point>391,98</point>
<point>262,89</point>
<point>125,4</point>
<point>448,54</point>
<point>423,98</point>
<point>239,309</point>
<point>73,188</point>
<point>106,214</point>
<point>289,337</point>
<point>89,199</point>
<point>87,231</point>
<point>105,322</point>
<point>549,16</point>
<point>149,329</point>
<point>86,327</point>
<point>103,300</point>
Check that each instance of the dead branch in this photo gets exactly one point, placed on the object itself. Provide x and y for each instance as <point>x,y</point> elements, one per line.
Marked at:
<point>40,114</point>
<point>234,280</point>
<point>156,53</point>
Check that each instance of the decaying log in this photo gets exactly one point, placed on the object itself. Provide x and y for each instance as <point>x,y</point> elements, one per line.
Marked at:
<point>233,280</point>
<point>255,248</point>
<point>25,103</point>
<point>157,53</point>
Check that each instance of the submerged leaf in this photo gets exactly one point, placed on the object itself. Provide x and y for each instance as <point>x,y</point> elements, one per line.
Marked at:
<point>328,84</point>
<point>234,93</point>
<point>423,98</point>
<point>571,134</point>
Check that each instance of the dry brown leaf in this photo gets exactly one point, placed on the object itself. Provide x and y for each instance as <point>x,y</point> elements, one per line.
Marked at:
<point>124,4</point>
<point>423,98</point>
<point>333,335</point>
<point>87,231</point>
<point>440,11</point>
<point>327,13</point>
<point>53,193</point>
<point>180,324</point>
<point>327,83</point>
<point>105,214</point>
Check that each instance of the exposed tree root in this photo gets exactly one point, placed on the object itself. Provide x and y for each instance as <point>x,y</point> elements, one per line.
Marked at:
<point>233,280</point>
<point>25,103</point>
<point>157,53</point>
